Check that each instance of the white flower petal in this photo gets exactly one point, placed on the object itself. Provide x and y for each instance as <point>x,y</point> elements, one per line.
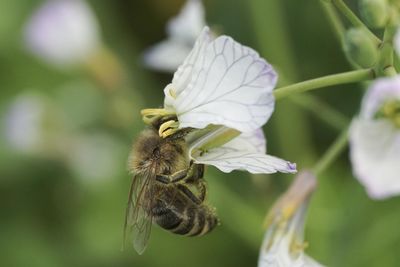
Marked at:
<point>396,42</point>
<point>283,243</point>
<point>63,32</point>
<point>223,83</point>
<point>182,31</point>
<point>250,142</point>
<point>167,55</point>
<point>310,262</point>
<point>183,75</point>
<point>245,152</point>
<point>379,92</point>
<point>375,156</point>
<point>187,25</point>
<point>24,122</point>
<point>284,260</point>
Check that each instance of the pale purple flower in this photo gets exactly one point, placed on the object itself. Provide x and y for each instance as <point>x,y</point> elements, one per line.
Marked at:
<point>222,82</point>
<point>283,244</point>
<point>63,32</point>
<point>24,122</point>
<point>375,139</point>
<point>182,32</point>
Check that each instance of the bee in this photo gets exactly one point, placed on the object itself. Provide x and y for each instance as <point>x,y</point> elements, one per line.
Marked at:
<point>167,188</point>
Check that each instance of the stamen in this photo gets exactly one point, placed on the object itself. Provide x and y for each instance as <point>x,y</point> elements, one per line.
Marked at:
<point>150,114</point>
<point>167,127</point>
<point>168,132</point>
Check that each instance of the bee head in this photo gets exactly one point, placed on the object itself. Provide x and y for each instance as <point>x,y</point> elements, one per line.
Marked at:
<point>155,155</point>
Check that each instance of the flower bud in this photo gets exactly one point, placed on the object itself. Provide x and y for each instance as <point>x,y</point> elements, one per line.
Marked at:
<point>359,48</point>
<point>374,12</point>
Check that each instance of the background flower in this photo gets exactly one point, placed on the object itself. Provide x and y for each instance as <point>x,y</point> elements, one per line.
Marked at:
<point>182,32</point>
<point>222,82</point>
<point>283,243</point>
<point>375,141</point>
<point>63,32</point>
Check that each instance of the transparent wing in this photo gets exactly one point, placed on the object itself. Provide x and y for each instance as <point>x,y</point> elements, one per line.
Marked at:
<point>229,84</point>
<point>137,221</point>
<point>167,55</point>
<point>245,152</point>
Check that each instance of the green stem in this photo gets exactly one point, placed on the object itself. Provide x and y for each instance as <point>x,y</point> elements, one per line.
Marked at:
<point>280,53</point>
<point>385,66</point>
<point>349,14</point>
<point>329,80</point>
<point>332,153</point>
<point>333,17</point>
<point>322,110</point>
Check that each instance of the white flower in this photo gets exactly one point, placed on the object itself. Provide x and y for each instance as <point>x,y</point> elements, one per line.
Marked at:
<point>95,158</point>
<point>222,82</point>
<point>24,122</point>
<point>182,33</point>
<point>283,244</point>
<point>245,152</point>
<point>63,32</point>
<point>375,139</point>
<point>396,42</point>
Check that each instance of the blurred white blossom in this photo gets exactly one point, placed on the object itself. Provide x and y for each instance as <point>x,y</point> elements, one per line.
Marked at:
<point>283,244</point>
<point>396,42</point>
<point>96,158</point>
<point>375,139</point>
<point>182,32</point>
<point>63,32</point>
<point>222,82</point>
<point>31,123</point>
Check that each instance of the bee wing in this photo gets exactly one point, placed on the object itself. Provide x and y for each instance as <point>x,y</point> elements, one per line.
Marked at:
<point>137,221</point>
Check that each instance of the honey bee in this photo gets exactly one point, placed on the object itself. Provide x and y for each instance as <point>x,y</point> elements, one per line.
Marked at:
<point>167,188</point>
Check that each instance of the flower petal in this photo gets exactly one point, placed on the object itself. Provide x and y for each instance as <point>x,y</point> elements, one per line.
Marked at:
<point>63,32</point>
<point>250,142</point>
<point>396,42</point>
<point>380,91</point>
<point>245,152</point>
<point>159,57</point>
<point>310,262</point>
<point>223,83</point>
<point>375,156</point>
<point>187,25</point>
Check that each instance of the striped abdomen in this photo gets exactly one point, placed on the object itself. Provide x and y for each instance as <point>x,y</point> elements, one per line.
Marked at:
<point>181,216</point>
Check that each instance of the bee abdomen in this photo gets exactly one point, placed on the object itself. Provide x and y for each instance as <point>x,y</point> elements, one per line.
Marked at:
<point>165,217</point>
<point>187,222</point>
<point>196,222</point>
<point>205,222</point>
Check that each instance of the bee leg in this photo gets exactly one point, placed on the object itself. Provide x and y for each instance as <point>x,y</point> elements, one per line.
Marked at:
<point>191,175</point>
<point>189,194</point>
<point>173,178</point>
<point>195,173</point>
<point>203,191</point>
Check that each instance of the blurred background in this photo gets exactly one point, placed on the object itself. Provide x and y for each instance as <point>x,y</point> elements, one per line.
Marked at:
<point>69,111</point>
